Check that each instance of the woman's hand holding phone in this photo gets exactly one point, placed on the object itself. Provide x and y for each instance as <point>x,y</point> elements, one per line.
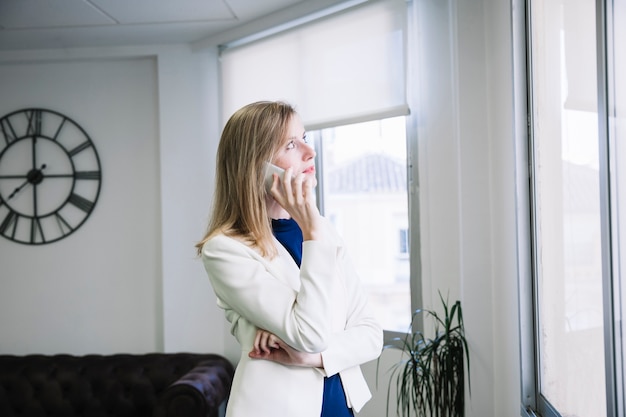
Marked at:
<point>270,170</point>
<point>295,194</point>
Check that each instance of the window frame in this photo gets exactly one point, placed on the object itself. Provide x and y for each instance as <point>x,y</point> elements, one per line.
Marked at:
<point>391,337</point>
<point>532,402</point>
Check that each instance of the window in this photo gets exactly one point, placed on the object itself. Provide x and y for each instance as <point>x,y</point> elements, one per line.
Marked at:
<point>363,190</point>
<point>344,70</point>
<point>577,181</point>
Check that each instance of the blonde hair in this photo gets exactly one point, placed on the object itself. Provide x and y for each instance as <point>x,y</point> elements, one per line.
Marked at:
<point>252,136</point>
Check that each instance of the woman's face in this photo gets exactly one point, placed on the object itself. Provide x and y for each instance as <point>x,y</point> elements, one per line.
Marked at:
<point>295,151</point>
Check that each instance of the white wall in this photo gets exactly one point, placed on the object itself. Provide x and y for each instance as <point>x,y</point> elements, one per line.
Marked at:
<point>189,136</point>
<point>128,279</point>
<point>96,289</point>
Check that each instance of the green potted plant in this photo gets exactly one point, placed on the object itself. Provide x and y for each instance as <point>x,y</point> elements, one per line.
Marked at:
<point>430,377</point>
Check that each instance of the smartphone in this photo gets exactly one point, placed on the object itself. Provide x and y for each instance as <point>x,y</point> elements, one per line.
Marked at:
<point>270,169</point>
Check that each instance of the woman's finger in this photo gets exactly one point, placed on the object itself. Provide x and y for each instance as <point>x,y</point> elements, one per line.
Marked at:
<point>288,185</point>
<point>307,187</point>
<point>257,341</point>
<point>273,341</point>
<point>298,189</point>
<point>265,337</point>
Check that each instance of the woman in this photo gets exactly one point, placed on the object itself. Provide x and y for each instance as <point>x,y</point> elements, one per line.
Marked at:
<point>283,277</point>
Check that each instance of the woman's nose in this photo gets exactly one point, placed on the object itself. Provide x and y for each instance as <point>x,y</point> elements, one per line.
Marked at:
<point>309,151</point>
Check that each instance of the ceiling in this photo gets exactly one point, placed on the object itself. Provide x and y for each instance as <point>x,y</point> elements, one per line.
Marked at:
<point>44,24</point>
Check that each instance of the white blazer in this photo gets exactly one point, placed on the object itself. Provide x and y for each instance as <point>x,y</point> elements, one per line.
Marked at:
<point>319,307</point>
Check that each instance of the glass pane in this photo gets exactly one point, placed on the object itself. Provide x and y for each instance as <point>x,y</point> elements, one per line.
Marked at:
<point>567,207</point>
<point>364,193</point>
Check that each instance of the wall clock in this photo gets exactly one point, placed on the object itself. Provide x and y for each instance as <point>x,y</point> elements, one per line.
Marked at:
<point>50,176</point>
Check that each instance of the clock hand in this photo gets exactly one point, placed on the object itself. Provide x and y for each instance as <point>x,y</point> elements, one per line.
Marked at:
<point>34,176</point>
<point>35,152</point>
<point>17,190</point>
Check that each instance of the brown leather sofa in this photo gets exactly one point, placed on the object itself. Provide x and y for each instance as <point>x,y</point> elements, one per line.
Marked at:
<point>118,385</point>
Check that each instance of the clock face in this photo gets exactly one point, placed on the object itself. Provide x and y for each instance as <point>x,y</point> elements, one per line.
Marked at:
<point>49,176</point>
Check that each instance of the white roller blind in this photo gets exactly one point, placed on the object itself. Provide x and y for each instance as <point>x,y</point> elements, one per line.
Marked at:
<point>343,68</point>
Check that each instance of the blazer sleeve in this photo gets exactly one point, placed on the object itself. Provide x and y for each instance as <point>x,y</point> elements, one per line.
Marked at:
<point>240,279</point>
<point>362,339</point>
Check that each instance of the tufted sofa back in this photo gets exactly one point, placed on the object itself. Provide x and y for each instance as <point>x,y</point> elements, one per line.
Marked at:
<point>120,385</point>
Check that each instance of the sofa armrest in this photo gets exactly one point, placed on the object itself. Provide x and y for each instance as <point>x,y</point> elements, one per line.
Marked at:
<point>198,393</point>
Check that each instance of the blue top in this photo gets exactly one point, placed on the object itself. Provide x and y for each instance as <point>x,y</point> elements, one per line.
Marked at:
<point>288,233</point>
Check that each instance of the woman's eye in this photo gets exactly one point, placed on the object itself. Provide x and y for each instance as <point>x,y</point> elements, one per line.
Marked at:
<point>305,139</point>
<point>291,145</point>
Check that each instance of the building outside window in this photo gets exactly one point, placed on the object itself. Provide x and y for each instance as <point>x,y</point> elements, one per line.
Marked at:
<point>364,192</point>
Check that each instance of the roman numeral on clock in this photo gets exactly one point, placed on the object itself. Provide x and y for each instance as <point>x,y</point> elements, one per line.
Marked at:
<point>36,230</point>
<point>81,202</point>
<point>79,148</point>
<point>64,226</point>
<point>34,123</point>
<point>9,224</point>
<point>8,133</point>
<point>87,175</point>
